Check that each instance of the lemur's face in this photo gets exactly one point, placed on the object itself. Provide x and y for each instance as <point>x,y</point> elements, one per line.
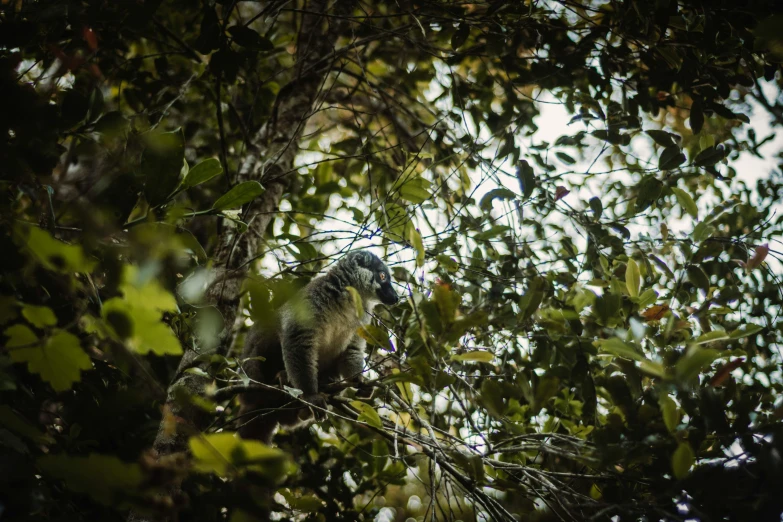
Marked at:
<point>381,277</point>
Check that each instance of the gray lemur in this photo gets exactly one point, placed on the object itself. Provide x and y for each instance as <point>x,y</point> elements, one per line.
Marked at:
<point>313,340</point>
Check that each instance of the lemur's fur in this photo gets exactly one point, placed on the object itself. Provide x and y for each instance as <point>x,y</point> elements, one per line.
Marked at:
<point>314,339</point>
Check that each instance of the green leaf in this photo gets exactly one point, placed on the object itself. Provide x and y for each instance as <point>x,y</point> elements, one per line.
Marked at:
<point>663,138</point>
<point>633,278</point>
<point>686,202</point>
<point>647,298</point>
<point>647,193</point>
<point>239,195</point>
<point>375,335</point>
<point>136,318</point>
<point>394,219</point>
<point>415,190</point>
<point>367,414</point>
<point>653,368</point>
<point>356,297</point>
<point>698,277</point>
<point>225,454</point>
<point>447,263</point>
<point>59,360</point>
<point>682,460</point>
<point>140,328</point>
<point>145,293</point>
<point>527,179</point>
<point>446,303</point>
<point>565,158</point>
<point>105,478</point>
<point>597,207</point>
<point>711,337</point>
<point>19,335</point>
<point>709,156</point>
<point>53,254</point>
<point>694,361</point>
<point>304,503</point>
<point>494,231</point>
<point>546,388</point>
<point>499,193</point>
<point>414,238</point>
<point>204,171</point>
<point>671,158</point>
<point>39,316</point>
<point>702,231</point>
<point>112,125</point>
<point>161,165</point>
<point>746,330</point>
<point>669,412</point>
<point>475,356</point>
<point>619,348</point>
<point>8,311</point>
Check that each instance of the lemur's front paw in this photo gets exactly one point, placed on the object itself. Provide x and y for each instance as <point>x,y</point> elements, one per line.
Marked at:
<point>364,390</point>
<point>317,405</point>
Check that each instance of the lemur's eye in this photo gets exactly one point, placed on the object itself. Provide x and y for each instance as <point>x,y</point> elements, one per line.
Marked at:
<point>382,277</point>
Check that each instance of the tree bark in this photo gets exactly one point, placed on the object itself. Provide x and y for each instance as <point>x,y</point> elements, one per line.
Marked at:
<point>269,160</point>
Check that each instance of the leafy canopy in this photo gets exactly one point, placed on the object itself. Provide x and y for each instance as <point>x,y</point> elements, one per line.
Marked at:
<point>591,324</point>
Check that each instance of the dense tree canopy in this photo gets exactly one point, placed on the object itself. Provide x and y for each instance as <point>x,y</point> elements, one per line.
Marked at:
<point>590,327</point>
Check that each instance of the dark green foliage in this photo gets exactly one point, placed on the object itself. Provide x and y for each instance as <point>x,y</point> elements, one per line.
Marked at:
<point>592,323</point>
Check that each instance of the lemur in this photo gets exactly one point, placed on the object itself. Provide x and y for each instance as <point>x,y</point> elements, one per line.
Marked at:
<point>312,343</point>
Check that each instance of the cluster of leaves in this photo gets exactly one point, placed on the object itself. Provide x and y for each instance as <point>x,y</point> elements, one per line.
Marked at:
<point>575,342</point>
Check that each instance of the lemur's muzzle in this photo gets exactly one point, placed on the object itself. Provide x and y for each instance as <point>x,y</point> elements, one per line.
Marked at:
<point>387,295</point>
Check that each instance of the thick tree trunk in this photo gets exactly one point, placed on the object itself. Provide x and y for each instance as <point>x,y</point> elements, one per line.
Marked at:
<point>270,161</point>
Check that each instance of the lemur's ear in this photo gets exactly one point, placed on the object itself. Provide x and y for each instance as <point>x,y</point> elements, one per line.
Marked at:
<point>361,258</point>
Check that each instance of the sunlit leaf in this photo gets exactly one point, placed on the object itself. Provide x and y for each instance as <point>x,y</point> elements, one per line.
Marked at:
<point>356,298</point>
<point>225,454</point>
<point>619,348</point>
<point>475,356</point>
<point>527,179</point>
<point>415,190</point>
<point>59,359</point>
<point>448,263</point>
<point>239,195</point>
<point>710,337</point>
<point>746,330</point>
<point>202,172</point>
<point>304,503</point>
<point>686,202</point>
<point>633,278</point>
<point>53,254</point>
<point>367,414</point>
<point>375,335</point>
<point>414,237</point>
<point>669,411</point>
<point>39,316</point>
<point>682,460</point>
<point>693,362</point>
<point>489,197</point>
